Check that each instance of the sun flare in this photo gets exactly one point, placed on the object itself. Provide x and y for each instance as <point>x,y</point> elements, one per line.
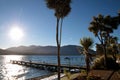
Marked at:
<point>16,33</point>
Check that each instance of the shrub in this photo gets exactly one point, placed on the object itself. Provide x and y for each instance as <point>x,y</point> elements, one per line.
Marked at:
<point>68,74</point>
<point>98,63</point>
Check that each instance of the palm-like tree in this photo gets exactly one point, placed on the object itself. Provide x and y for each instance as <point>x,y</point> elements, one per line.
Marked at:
<point>62,9</point>
<point>102,27</point>
<point>87,43</point>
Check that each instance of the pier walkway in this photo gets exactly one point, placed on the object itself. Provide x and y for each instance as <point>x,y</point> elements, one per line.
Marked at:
<point>49,66</point>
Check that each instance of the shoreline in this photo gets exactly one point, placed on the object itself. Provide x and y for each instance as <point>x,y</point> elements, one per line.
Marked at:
<point>53,75</point>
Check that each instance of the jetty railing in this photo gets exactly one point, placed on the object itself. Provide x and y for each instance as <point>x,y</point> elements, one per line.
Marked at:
<point>48,66</point>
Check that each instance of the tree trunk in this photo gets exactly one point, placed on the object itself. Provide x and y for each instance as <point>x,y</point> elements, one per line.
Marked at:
<point>87,64</point>
<point>103,48</point>
<point>61,30</point>
<point>105,55</point>
<point>58,47</point>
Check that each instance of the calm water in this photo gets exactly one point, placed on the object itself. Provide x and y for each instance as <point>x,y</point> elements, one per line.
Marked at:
<point>10,71</point>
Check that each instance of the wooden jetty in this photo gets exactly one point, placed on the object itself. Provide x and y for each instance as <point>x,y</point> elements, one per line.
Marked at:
<point>48,66</point>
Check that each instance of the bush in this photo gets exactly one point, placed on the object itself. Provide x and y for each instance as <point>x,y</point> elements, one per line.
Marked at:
<point>98,63</point>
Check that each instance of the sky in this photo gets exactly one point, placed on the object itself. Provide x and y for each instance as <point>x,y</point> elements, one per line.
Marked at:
<point>38,23</point>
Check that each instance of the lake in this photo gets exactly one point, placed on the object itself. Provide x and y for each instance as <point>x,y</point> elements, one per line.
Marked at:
<point>10,71</point>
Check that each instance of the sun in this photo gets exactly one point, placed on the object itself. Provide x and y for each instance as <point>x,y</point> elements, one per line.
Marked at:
<point>16,33</point>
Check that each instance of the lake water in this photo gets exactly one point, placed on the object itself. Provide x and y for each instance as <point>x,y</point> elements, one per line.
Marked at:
<point>10,71</point>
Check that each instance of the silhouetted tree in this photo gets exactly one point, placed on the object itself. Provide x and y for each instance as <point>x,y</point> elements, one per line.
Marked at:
<point>112,47</point>
<point>102,27</point>
<point>62,9</point>
<point>86,43</point>
<point>99,49</point>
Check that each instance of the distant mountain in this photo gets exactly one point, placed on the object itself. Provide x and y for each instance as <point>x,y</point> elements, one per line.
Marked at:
<point>4,51</point>
<point>46,50</point>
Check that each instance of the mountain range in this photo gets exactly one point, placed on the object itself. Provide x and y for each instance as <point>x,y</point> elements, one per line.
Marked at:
<point>44,50</point>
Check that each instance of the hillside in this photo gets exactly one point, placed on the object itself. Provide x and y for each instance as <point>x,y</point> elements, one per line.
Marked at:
<point>45,50</point>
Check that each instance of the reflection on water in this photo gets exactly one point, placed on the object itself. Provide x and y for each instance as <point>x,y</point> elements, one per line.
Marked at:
<point>10,71</point>
<point>7,58</point>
